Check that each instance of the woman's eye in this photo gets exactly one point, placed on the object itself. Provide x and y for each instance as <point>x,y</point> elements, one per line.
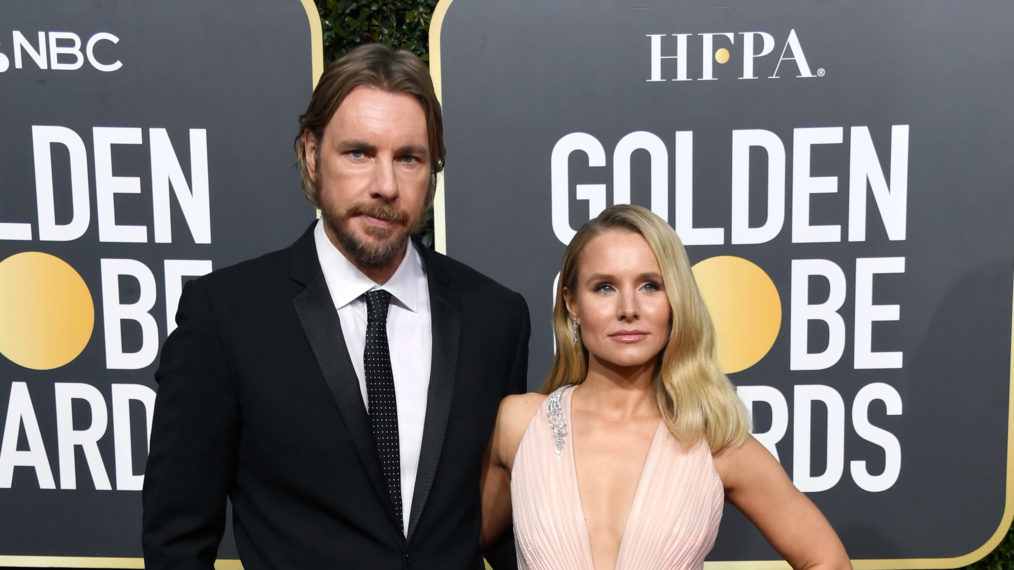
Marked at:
<point>603,288</point>
<point>652,286</point>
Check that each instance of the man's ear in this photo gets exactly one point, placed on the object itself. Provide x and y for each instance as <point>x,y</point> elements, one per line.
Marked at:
<point>310,154</point>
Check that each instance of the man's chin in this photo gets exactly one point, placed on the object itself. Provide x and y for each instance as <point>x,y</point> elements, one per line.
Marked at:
<point>395,236</point>
<point>369,245</point>
<point>382,253</point>
<point>368,250</point>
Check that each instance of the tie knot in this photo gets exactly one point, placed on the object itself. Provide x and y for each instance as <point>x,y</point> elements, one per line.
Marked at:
<point>377,302</point>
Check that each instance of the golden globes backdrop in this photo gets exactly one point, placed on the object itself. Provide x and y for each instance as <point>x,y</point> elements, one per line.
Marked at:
<point>841,175</point>
<point>143,143</point>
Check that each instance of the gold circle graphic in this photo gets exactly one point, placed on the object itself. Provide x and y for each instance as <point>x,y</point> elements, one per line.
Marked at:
<point>722,55</point>
<point>46,311</point>
<point>745,306</point>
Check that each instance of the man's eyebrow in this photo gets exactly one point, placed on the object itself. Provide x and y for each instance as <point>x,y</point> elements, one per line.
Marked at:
<point>356,144</point>
<point>413,149</point>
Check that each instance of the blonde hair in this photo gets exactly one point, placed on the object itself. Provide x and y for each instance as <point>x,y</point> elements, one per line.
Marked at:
<point>693,396</point>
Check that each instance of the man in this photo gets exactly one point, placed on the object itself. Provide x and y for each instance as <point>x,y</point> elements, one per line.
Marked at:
<point>276,388</point>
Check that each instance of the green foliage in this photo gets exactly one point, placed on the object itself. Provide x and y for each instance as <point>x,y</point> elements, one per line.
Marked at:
<point>401,24</point>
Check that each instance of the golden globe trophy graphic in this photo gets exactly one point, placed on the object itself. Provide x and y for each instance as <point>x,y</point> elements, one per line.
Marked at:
<point>48,314</point>
<point>745,307</point>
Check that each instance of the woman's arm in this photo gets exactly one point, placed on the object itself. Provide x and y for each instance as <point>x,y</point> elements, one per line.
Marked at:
<point>494,482</point>
<point>494,490</point>
<point>758,486</point>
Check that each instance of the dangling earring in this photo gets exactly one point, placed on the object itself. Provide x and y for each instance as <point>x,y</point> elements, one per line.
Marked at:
<point>573,331</point>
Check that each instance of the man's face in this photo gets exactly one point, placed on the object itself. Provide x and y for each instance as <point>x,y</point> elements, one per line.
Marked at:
<point>372,171</point>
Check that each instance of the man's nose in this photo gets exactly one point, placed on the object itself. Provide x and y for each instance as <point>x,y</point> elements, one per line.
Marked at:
<point>385,183</point>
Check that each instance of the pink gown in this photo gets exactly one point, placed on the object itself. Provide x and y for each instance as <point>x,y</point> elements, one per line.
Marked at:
<point>673,519</point>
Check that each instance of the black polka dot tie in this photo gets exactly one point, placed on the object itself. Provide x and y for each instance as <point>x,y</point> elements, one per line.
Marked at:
<point>380,393</point>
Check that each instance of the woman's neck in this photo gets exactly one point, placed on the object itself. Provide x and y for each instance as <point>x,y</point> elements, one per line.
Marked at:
<point>617,392</point>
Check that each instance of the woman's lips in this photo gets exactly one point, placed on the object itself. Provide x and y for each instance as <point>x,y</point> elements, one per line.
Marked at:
<point>628,336</point>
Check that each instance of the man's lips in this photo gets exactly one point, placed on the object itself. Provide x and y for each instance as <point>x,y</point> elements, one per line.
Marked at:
<point>379,215</point>
<point>628,336</point>
<point>378,222</point>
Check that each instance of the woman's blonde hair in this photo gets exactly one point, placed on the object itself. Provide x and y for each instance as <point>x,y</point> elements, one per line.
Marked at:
<point>693,396</point>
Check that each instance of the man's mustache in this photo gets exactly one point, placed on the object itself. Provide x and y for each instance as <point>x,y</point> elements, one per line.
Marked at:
<point>380,210</point>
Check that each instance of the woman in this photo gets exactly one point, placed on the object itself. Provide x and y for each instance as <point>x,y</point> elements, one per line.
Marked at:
<point>627,461</point>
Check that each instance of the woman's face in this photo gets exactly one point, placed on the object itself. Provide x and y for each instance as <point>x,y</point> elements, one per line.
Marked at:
<point>620,301</point>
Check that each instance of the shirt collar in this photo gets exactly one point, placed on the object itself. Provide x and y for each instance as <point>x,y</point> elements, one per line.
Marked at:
<point>347,284</point>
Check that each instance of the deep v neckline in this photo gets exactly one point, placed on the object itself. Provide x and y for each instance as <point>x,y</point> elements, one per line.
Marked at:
<point>638,489</point>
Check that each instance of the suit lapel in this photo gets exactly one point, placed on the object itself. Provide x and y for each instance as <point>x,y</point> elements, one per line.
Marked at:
<point>319,320</point>
<point>445,310</point>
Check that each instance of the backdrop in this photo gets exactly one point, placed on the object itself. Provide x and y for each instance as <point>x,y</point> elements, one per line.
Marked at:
<point>143,143</point>
<point>840,173</point>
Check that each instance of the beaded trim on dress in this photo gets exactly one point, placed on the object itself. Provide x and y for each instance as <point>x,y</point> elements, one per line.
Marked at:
<point>556,419</point>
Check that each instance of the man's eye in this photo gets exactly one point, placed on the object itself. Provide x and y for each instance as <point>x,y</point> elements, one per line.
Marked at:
<point>356,154</point>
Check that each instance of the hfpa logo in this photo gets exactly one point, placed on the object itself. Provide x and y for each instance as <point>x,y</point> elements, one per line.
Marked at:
<point>750,48</point>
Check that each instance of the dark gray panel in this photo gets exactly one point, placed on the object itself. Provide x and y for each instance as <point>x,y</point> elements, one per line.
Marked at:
<point>518,76</point>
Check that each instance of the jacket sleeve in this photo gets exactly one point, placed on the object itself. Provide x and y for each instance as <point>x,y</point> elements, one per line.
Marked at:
<point>192,450</point>
<point>517,381</point>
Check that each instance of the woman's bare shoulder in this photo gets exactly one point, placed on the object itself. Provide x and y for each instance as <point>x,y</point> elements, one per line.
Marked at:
<point>515,413</point>
<point>518,409</point>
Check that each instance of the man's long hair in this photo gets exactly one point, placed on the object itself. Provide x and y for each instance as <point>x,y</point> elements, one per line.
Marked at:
<point>379,67</point>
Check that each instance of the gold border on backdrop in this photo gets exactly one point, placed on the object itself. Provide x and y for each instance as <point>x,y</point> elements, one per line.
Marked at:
<point>317,68</point>
<point>1005,519</point>
<point>82,562</point>
<point>440,243</point>
<point>316,40</point>
<point>439,218</point>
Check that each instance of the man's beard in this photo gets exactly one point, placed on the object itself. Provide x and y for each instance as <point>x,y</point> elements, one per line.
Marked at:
<point>389,241</point>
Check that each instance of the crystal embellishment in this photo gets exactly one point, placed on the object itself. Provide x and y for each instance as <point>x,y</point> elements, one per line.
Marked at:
<point>556,419</point>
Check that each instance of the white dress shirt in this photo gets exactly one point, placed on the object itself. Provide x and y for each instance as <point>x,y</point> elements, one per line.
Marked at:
<point>409,335</point>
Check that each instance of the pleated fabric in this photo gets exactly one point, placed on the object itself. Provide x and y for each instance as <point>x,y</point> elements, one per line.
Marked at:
<point>673,519</point>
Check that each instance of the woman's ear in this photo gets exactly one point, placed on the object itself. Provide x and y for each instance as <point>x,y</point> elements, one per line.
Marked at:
<point>568,300</point>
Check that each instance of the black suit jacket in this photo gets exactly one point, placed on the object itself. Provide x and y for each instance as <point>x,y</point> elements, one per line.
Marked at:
<point>258,402</point>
